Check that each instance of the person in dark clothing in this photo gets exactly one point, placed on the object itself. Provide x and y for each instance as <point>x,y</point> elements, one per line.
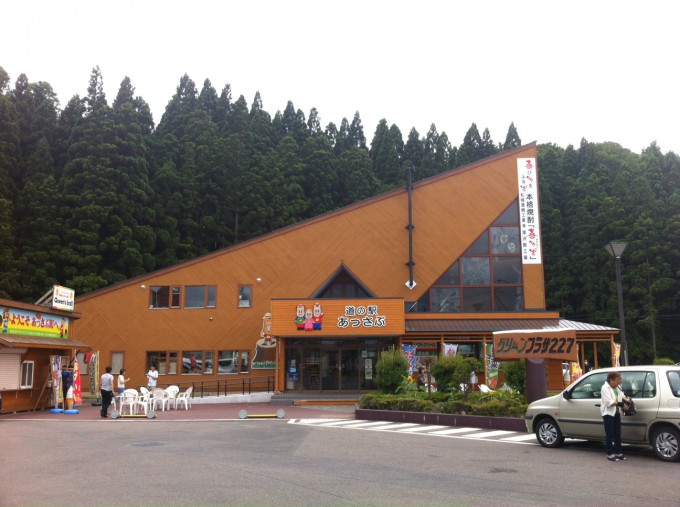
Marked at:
<point>106,387</point>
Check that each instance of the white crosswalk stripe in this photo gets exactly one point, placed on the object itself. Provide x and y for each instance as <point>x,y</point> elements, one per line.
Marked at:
<point>423,429</point>
<point>455,431</point>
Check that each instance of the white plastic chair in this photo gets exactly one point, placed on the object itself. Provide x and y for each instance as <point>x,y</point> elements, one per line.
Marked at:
<point>160,397</point>
<point>128,399</point>
<point>143,390</point>
<point>172,392</point>
<point>143,401</point>
<point>185,398</point>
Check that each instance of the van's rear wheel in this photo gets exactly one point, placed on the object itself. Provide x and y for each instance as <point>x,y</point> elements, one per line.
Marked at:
<point>548,433</point>
<point>666,443</point>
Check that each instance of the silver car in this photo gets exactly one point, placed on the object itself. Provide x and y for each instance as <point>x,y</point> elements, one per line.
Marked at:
<point>575,412</point>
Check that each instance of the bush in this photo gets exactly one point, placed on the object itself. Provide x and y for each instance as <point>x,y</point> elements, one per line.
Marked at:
<point>497,404</point>
<point>664,361</point>
<point>515,375</point>
<point>443,369</point>
<point>452,371</point>
<point>391,369</point>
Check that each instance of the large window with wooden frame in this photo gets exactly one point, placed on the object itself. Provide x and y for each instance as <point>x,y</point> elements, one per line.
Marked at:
<point>486,278</point>
<point>164,361</point>
<point>232,361</point>
<point>200,296</point>
<point>197,362</point>
<point>164,296</point>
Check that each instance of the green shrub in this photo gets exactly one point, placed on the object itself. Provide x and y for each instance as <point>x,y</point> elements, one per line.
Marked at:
<point>664,361</point>
<point>515,375</point>
<point>498,404</point>
<point>391,369</point>
<point>452,371</point>
<point>443,369</point>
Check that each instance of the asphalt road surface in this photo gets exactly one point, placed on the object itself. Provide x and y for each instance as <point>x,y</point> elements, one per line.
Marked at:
<point>297,462</point>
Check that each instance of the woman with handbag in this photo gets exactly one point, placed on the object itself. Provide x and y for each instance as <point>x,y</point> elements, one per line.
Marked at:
<point>612,398</point>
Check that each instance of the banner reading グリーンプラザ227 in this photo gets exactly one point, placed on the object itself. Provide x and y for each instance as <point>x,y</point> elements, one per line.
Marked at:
<point>529,217</point>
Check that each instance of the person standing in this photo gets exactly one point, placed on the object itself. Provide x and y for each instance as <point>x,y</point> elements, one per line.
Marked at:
<point>612,398</point>
<point>107,391</point>
<point>152,377</point>
<point>122,380</point>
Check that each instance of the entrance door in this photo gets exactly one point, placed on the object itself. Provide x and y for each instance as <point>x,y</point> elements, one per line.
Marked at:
<point>330,370</point>
<point>340,370</point>
<point>349,373</point>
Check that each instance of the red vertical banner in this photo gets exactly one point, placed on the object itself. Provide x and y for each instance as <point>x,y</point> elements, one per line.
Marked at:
<point>77,384</point>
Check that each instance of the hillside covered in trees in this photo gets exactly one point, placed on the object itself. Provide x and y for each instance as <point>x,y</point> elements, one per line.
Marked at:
<point>94,193</point>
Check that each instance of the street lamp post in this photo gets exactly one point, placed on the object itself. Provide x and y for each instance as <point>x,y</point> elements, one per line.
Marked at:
<point>616,248</point>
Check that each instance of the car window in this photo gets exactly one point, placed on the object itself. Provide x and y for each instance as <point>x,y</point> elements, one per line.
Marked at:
<point>589,387</point>
<point>638,384</point>
<point>674,381</point>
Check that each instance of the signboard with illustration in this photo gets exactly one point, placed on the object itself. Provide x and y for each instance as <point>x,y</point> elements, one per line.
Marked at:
<point>337,317</point>
<point>536,343</point>
<point>264,357</point>
<point>29,323</point>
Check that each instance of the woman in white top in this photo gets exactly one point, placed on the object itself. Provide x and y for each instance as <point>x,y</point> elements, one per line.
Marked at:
<point>122,380</point>
<point>613,398</point>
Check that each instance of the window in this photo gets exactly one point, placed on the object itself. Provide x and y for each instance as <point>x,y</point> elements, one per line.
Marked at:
<point>163,296</point>
<point>199,296</point>
<point>232,361</point>
<point>117,361</point>
<point>165,362</point>
<point>245,293</point>
<point>343,285</point>
<point>589,387</point>
<point>486,278</point>
<point>27,374</point>
<point>82,365</point>
<point>197,362</point>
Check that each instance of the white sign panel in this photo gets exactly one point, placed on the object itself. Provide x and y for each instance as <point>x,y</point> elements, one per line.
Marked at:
<point>529,217</point>
<point>63,298</point>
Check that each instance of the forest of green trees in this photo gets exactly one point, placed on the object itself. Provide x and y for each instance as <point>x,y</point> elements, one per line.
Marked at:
<point>93,193</point>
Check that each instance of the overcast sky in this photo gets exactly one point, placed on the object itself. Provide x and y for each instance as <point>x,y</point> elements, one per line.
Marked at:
<point>560,70</point>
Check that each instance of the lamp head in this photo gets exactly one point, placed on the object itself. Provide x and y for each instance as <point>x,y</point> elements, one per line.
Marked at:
<point>616,248</point>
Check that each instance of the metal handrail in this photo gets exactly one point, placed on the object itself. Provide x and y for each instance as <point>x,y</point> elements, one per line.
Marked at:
<point>224,387</point>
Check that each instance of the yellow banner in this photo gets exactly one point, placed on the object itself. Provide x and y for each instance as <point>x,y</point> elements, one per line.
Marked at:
<point>28,323</point>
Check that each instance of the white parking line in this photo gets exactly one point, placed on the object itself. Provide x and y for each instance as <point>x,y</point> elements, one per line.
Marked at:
<point>454,431</point>
<point>342,422</point>
<point>422,428</point>
<point>365,424</point>
<point>520,438</point>
<point>487,434</point>
<point>392,426</point>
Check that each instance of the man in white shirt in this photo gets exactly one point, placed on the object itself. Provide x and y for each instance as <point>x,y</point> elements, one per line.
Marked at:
<point>106,387</point>
<point>152,375</point>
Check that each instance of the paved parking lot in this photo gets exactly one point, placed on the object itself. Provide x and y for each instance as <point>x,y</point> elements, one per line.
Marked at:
<point>198,411</point>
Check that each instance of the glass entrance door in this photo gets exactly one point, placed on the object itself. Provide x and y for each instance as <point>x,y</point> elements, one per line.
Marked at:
<point>330,370</point>
<point>349,373</point>
<point>347,365</point>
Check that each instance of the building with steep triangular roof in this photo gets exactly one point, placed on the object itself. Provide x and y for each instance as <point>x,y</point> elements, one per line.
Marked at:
<point>438,266</point>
